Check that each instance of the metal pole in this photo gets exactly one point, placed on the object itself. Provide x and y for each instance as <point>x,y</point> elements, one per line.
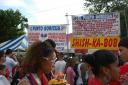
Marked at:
<point>67,30</point>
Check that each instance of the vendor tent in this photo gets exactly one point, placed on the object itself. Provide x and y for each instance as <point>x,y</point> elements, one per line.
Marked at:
<point>18,43</point>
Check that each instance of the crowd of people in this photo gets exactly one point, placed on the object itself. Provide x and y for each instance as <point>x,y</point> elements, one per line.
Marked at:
<point>43,63</point>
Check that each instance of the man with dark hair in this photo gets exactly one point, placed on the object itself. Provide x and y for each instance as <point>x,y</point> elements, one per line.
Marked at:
<point>8,51</point>
<point>50,41</point>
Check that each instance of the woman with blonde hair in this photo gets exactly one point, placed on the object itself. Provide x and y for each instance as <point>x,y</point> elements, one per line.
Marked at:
<point>37,63</point>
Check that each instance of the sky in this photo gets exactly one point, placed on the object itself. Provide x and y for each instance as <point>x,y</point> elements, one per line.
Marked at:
<point>45,12</point>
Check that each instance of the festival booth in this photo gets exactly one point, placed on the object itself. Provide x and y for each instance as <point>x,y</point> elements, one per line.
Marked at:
<point>20,43</point>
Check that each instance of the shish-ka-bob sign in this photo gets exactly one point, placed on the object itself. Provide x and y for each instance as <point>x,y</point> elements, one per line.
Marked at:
<point>110,43</point>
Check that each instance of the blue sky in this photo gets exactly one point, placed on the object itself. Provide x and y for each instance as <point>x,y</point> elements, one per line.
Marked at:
<point>42,12</point>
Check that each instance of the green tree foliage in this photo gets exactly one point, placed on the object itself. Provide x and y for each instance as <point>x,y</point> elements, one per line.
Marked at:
<point>12,24</point>
<point>102,6</point>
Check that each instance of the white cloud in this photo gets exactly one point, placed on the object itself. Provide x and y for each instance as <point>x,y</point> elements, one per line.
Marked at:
<point>53,11</point>
<point>13,3</point>
<point>46,11</point>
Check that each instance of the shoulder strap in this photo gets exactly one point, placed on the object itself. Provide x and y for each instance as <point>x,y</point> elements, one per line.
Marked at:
<point>31,79</point>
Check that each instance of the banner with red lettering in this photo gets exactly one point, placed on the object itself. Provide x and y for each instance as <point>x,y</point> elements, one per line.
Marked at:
<point>95,42</point>
<point>43,32</point>
<point>107,24</point>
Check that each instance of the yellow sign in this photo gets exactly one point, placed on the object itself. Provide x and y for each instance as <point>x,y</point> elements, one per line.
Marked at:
<point>95,42</point>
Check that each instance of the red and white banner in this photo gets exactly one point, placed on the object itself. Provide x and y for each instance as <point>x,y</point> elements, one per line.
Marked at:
<point>96,26</point>
<point>43,32</point>
<point>107,24</point>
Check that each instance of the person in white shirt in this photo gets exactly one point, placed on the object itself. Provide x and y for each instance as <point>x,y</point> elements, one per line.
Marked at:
<point>10,62</point>
<point>60,64</point>
<point>4,81</point>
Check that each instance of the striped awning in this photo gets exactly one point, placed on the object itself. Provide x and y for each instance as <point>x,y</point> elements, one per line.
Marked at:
<point>18,43</point>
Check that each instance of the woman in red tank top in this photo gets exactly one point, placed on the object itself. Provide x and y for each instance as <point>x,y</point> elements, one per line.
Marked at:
<point>104,67</point>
